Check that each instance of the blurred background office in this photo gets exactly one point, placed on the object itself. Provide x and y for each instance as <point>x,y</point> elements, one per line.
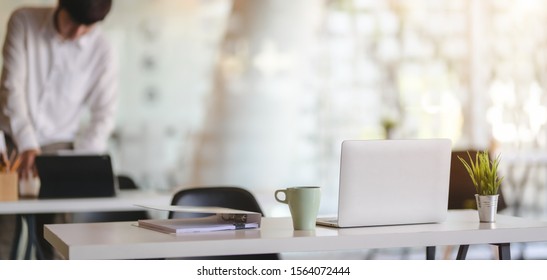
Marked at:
<point>260,93</point>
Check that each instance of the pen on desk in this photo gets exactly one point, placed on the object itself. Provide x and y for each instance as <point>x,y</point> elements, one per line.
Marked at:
<point>12,156</point>
<point>16,164</point>
<point>10,160</point>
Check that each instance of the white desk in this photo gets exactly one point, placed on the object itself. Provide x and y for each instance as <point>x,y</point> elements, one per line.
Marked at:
<point>123,240</point>
<point>125,200</point>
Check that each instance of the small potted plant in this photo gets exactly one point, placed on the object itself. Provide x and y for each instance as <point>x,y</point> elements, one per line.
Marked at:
<point>484,174</point>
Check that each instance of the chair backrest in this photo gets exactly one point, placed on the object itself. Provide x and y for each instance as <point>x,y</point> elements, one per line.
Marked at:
<point>220,196</point>
<point>124,183</point>
<point>462,191</point>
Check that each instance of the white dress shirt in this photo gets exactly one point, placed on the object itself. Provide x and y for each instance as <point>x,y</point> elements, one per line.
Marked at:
<point>48,84</point>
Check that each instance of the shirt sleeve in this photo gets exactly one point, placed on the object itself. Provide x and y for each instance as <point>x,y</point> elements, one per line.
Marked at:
<point>102,101</point>
<point>13,106</point>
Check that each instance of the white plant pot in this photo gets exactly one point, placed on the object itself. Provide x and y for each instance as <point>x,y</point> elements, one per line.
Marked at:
<point>487,206</point>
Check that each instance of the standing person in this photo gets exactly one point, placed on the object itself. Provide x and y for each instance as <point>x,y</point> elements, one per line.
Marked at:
<point>57,68</point>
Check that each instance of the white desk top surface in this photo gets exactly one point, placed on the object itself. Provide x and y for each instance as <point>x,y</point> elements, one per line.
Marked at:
<point>125,200</point>
<point>124,240</point>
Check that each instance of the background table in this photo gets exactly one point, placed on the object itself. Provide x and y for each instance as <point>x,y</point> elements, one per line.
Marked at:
<point>124,240</point>
<point>125,200</point>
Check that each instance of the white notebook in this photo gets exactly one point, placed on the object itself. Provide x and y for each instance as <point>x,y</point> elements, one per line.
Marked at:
<point>190,225</point>
<point>220,218</point>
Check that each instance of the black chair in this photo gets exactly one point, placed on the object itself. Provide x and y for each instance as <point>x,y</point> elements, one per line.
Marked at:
<point>124,183</point>
<point>221,196</point>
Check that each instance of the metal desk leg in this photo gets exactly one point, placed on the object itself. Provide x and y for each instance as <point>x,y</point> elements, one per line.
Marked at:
<point>504,251</point>
<point>430,253</point>
<point>462,252</point>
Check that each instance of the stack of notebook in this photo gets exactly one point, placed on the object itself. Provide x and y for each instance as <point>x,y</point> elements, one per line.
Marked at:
<point>220,219</point>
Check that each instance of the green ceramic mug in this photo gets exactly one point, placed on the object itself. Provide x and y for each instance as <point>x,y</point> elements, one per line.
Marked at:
<point>304,205</point>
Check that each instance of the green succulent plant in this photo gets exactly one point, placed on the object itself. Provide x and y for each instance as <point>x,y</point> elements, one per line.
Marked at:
<point>483,173</point>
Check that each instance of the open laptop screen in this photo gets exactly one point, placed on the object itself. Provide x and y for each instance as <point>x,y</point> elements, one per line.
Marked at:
<point>72,176</point>
<point>393,182</point>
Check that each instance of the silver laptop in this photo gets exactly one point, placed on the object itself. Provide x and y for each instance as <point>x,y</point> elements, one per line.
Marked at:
<point>392,182</point>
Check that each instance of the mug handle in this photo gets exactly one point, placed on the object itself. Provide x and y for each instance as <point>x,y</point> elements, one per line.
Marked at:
<point>279,200</point>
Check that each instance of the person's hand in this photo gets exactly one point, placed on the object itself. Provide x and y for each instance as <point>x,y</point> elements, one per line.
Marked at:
<point>27,167</point>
